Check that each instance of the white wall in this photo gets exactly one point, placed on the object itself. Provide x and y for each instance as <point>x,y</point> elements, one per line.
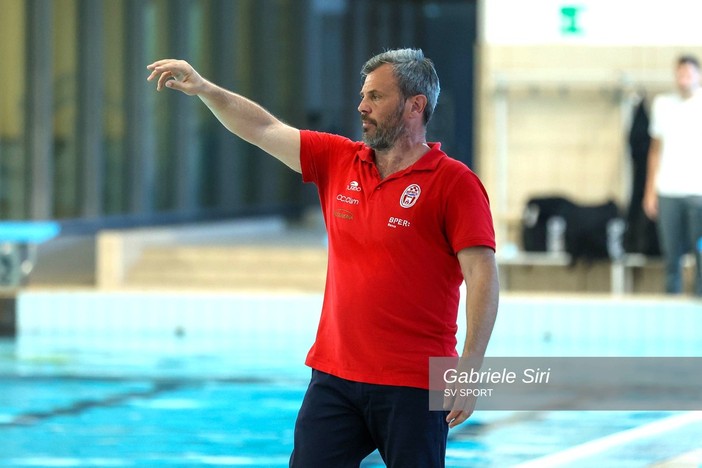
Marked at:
<point>594,22</point>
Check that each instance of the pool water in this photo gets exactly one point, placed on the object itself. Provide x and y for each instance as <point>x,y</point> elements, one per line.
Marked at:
<point>100,380</point>
<point>78,421</point>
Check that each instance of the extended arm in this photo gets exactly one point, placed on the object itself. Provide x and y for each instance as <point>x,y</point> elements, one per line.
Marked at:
<point>482,297</point>
<point>239,115</point>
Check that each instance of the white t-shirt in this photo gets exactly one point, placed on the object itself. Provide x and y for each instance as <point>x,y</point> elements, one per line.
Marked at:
<point>677,123</point>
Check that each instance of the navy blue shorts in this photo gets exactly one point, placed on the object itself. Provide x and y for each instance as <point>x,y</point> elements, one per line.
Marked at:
<point>341,422</point>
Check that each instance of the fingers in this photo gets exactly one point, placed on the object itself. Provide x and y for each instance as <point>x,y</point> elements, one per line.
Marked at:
<point>162,72</point>
<point>461,408</point>
<point>159,63</point>
<point>167,70</point>
<point>457,417</point>
<point>163,79</point>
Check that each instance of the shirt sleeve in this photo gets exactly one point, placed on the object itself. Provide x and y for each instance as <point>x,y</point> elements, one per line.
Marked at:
<point>654,126</point>
<point>318,152</point>
<point>468,217</point>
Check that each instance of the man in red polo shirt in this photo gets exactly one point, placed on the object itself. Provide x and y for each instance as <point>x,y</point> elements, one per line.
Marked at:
<point>406,225</point>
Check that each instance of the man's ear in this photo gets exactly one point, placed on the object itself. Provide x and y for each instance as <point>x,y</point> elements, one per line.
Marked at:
<point>419,103</point>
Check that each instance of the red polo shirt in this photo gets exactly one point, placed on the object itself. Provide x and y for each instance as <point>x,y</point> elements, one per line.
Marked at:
<point>392,290</point>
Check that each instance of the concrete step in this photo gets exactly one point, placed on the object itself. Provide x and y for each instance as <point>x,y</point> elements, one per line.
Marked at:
<point>238,254</point>
<point>235,267</point>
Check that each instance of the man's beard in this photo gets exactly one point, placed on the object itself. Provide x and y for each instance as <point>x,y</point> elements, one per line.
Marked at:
<point>386,133</point>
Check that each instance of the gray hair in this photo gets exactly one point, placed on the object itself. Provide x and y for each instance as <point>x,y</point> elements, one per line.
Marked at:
<point>415,75</point>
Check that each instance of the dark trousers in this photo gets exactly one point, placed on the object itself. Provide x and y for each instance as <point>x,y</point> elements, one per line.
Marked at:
<point>341,422</point>
<point>680,229</point>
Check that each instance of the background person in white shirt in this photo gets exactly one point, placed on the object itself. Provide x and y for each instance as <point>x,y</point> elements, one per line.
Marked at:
<point>673,193</point>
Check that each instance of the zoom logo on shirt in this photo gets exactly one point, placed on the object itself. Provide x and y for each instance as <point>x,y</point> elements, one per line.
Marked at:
<point>349,200</point>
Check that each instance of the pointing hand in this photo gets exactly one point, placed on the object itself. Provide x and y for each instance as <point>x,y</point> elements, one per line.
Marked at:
<point>176,74</point>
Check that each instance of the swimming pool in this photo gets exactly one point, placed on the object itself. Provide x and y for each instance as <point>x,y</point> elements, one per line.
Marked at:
<point>86,422</point>
<point>198,381</point>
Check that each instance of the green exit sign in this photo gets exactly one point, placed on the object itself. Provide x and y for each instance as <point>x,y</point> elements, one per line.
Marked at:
<point>571,20</point>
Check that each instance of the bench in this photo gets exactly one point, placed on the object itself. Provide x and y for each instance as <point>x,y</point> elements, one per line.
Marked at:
<point>521,258</point>
<point>621,270</point>
<point>18,248</point>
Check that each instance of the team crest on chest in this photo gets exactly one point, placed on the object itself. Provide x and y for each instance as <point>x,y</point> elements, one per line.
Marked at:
<point>410,196</point>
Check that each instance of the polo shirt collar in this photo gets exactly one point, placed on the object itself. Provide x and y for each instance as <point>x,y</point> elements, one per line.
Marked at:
<point>427,162</point>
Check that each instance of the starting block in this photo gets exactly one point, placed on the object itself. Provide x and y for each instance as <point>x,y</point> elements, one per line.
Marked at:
<point>18,248</point>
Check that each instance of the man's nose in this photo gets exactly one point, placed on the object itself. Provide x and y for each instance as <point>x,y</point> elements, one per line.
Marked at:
<point>363,108</point>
